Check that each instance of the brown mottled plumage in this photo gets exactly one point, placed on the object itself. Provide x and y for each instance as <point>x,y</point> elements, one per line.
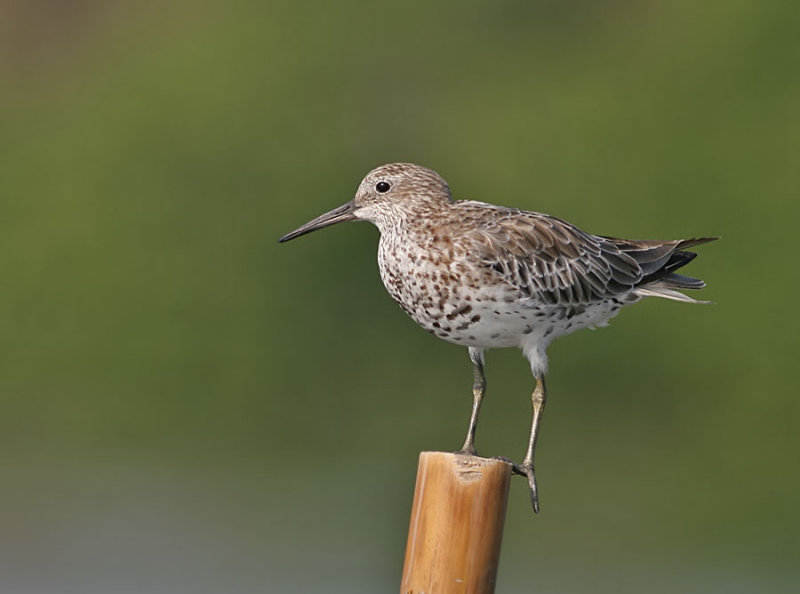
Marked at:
<point>487,276</point>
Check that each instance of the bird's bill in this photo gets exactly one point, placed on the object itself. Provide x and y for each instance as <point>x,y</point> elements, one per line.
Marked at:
<point>337,215</point>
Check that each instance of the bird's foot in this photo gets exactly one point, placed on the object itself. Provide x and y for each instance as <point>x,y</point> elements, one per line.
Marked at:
<point>527,470</point>
<point>524,469</point>
<point>508,461</point>
<point>517,469</point>
<point>468,450</point>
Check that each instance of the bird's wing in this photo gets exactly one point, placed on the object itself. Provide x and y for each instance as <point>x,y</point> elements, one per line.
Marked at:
<point>551,260</point>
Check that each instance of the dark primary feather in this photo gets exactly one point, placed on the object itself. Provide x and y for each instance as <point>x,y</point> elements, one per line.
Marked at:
<point>659,259</point>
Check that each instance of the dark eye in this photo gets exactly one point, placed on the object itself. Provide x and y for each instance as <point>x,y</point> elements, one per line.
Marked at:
<point>382,187</point>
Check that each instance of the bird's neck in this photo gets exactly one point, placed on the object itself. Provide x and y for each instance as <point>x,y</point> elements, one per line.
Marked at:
<point>411,219</point>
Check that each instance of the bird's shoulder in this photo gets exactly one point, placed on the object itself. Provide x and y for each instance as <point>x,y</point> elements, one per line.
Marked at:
<point>517,232</point>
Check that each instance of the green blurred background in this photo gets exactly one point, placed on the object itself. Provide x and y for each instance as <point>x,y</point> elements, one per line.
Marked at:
<point>188,406</point>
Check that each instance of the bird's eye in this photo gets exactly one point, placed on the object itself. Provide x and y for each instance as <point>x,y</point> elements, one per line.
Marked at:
<point>382,187</point>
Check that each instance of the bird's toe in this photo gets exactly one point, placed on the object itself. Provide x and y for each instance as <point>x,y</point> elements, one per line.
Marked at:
<point>527,470</point>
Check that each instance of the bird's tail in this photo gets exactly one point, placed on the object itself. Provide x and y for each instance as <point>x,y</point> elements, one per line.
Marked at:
<point>659,260</point>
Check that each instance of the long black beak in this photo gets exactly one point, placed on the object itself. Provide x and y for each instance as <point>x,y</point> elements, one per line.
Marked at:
<point>337,215</point>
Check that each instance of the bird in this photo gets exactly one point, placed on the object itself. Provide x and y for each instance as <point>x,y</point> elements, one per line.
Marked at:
<point>484,276</point>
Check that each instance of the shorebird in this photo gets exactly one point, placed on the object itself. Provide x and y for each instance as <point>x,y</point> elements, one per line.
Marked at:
<point>485,276</point>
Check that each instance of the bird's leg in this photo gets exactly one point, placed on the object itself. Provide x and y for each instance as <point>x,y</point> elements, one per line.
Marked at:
<point>538,399</point>
<point>478,390</point>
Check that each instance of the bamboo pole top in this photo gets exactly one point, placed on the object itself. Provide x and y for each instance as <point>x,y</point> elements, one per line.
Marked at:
<point>456,524</point>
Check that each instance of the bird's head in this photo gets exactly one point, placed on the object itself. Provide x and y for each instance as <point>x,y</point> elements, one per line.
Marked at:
<point>386,194</point>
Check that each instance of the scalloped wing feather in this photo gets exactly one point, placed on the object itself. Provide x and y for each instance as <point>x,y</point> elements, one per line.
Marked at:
<point>553,261</point>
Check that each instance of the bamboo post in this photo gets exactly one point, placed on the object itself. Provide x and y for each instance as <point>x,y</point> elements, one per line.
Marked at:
<point>456,524</point>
